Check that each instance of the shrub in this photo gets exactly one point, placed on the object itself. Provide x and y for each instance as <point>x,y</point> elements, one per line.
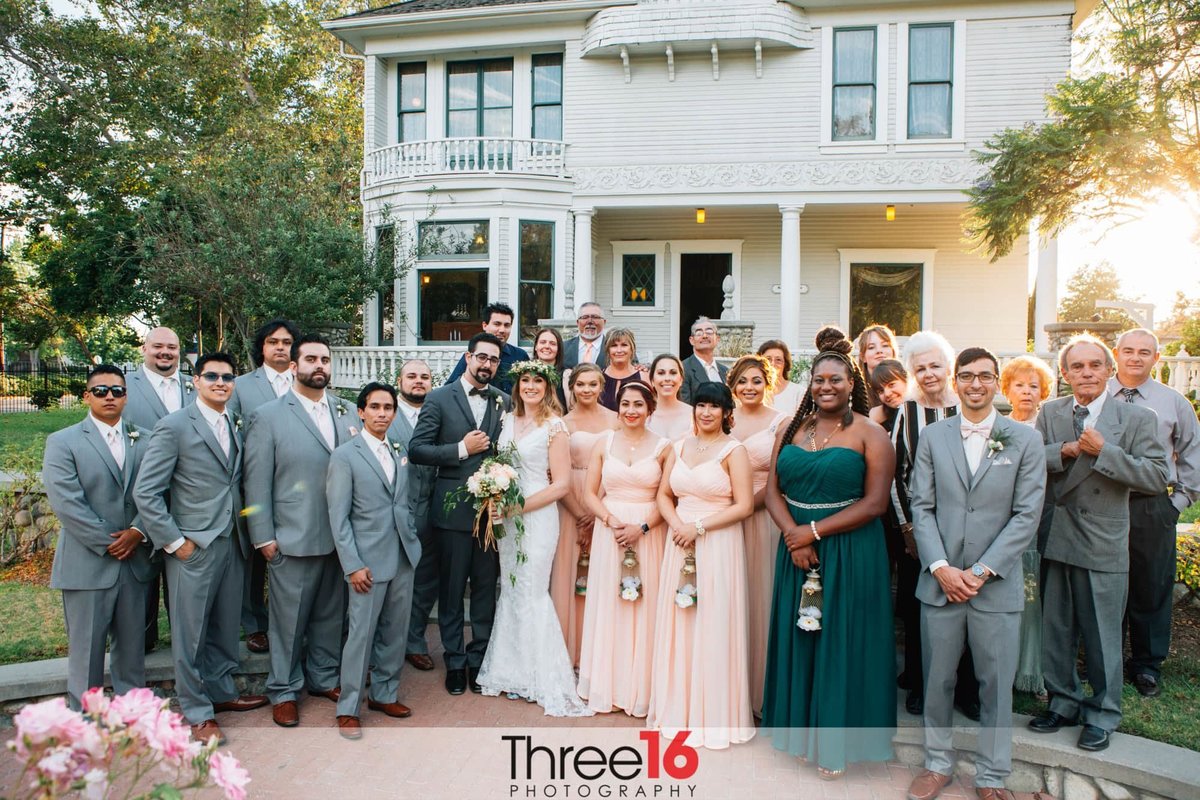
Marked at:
<point>1187,561</point>
<point>43,398</point>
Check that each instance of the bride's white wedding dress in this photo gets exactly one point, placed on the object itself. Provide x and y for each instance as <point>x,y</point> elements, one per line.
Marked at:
<point>526,653</point>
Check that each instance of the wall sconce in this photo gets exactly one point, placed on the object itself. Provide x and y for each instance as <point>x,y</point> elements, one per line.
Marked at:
<point>699,216</point>
<point>890,213</point>
<point>425,279</point>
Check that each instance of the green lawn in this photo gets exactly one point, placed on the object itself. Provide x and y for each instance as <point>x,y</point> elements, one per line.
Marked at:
<point>1192,514</point>
<point>30,429</point>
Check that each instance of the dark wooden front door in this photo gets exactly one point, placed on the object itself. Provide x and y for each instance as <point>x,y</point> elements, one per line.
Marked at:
<point>700,295</point>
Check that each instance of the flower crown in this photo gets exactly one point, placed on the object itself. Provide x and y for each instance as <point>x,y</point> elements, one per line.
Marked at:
<point>545,371</point>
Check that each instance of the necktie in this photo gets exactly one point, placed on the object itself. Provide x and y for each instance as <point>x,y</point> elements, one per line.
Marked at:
<point>117,448</point>
<point>168,390</point>
<point>587,353</point>
<point>281,385</point>
<point>970,429</point>
<point>384,454</point>
<point>1129,394</point>
<point>1079,414</point>
<point>221,429</point>
<point>324,423</point>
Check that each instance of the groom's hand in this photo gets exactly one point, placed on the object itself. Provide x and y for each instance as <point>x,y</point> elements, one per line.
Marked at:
<point>476,442</point>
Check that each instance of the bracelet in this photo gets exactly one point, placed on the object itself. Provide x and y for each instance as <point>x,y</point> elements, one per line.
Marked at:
<point>813,524</point>
<point>700,528</point>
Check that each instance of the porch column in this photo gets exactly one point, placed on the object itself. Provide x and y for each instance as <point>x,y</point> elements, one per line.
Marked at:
<point>584,289</point>
<point>1045,310</point>
<point>789,275</point>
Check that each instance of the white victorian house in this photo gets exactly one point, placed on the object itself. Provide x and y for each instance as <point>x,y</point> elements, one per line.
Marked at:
<point>636,152</point>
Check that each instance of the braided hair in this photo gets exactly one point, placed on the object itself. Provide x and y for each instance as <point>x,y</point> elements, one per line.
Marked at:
<point>832,344</point>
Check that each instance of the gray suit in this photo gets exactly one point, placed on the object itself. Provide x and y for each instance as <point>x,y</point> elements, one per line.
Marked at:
<point>93,499</point>
<point>989,517</point>
<point>425,584</point>
<point>571,348</point>
<point>371,523</point>
<point>1086,563</point>
<point>694,374</point>
<point>145,408</point>
<point>251,391</point>
<point>285,465</point>
<point>185,464</point>
<point>445,419</point>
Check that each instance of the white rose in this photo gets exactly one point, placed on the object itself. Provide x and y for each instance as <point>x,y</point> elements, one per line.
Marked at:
<point>808,624</point>
<point>684,600</point>
<point>502,482</point>
<point>629,593</point>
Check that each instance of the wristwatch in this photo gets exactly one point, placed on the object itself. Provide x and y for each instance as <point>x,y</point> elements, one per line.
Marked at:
<point>700,528</point>
<point>977,570</point>
<point>645,528</point>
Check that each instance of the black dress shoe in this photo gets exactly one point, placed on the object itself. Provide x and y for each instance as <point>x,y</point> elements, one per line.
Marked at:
<point>914,702</point>
<point>456,681</point>
<point>971,710</point>
<point>1147,685</point>
<point>473,675</point>
<point>1093,738</point>
<point>1050,722</point>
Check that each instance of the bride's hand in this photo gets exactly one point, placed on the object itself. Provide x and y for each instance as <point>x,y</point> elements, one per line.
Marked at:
<point>497,514</point>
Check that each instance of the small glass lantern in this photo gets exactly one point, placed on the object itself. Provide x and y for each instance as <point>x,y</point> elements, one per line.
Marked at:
<point>811,602</point>
<point>581,573</point>
<point>631,579</point>
<point>685,593</point>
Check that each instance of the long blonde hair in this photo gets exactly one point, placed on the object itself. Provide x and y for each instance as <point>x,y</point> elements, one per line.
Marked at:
<point>549,407</point>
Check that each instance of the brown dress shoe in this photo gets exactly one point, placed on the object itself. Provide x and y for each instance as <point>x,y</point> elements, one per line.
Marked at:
<point>391,709</point>
<point>927,785</point>
<point>246,702</point>
<point>991,793</point>
<point>207,730</point>
<point>257,643</point>
<point>349,727</point>
<point>286,714</point>
<point>329,694</point>
<point>420,661</point>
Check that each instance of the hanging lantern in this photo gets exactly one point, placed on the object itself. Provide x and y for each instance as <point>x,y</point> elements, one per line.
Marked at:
<point>811,602</point>
<point>685,594</point>
<point>631,579</point>
<point>581,573</point>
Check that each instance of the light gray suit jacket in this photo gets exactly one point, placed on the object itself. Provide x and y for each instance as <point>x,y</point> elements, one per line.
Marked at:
<point>990,517</point>
<point>144,407</point>
<point>1090,528</point>
<point>93,498</point>
<point>369,516</point>
<point>205,486</point>
<point>249,392</point>
<point>286,460</point>
<point>420,477</point>
<point>694,375</point>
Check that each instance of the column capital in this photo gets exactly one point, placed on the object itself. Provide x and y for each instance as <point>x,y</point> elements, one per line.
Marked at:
<point>792,208</point>
<point>584,211</point>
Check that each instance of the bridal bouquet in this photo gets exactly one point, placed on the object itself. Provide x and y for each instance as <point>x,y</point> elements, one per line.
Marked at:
<point>493,490</point>
<point>120,741</point>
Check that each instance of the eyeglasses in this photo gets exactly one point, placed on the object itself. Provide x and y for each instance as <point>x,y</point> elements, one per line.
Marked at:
<point>214,377</point>
<point>589,317</point>
<point>704,332</point>
<point>985,378</point>
<point>482,358</point>
<point>100,390</point>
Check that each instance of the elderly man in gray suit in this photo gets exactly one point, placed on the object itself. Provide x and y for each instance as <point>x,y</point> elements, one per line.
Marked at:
<point>271,378</point>
<point>701,366</point>
<point>1098,450</point>
<point>371,518</point>
<point>195,458</point>
<point>155,390</point>
<point>413,384</point>
<point>102,561</point>
<point>979,481</point>
<point>588,346</point>
<point>288,444</point>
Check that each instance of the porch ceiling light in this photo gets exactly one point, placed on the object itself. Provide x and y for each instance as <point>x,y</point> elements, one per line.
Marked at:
<point>699,216</point>
<point>890,213</point>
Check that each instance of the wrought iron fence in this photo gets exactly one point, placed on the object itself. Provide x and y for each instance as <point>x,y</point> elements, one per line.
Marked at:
<point>26,387</point>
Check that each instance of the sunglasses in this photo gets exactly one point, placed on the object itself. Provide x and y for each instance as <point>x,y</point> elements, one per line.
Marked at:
<point>102,391</point>
<point>214,377</point>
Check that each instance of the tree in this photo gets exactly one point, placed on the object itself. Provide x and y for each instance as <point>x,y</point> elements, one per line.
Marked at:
<point>1121,132</point>
<point>1086,286</point>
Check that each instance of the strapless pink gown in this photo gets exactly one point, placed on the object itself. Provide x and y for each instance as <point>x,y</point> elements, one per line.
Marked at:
<point>700,678</point>
<point>762,541</point>
<point>618,635</point>
<point>567,604</point>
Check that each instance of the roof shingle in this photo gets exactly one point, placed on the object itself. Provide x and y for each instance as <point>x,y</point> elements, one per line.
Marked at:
<point>416,6</point>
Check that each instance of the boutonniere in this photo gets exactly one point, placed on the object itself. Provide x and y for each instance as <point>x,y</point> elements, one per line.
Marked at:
<point>341,409</point>
<point>188,387</point>
<point>132,433</point>
<point>997,441</point>
<point>237,424</point>
<point>395,446</point>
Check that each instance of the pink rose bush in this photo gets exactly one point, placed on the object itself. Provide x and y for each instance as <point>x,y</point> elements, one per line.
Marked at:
<point>122,739</point>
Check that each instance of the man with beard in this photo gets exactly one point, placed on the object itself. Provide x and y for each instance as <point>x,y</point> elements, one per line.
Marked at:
<point>414,382</point>
<point>457,428</point>
<point>272,378</point>
<point>498,321</point>
<point>155,390</point>
<point>288,446</point>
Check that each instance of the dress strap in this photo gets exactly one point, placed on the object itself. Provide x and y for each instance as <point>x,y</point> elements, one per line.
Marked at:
<point>729,447</point>
<point>662,444</point>
<point>678,447</point>
<point>775,423</point>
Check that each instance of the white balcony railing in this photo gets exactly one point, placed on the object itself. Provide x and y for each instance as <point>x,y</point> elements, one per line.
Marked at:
<point>355,367</point>
<point>467,155</point>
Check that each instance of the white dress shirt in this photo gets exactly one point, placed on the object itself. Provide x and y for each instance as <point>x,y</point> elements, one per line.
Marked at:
<point>478,404</point>
<point>321,417</point>
<point>219,422</point>
<point>168,388</point>
<point>410,412</point>
<point>710,368</point>
<point>280,381</point>
<point>973,445</point>
<point>1094,408</point>
<point>383,452</point>
<point>113,437</point>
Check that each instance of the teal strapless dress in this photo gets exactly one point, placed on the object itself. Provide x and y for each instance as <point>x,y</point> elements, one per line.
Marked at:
<point>831,694</point>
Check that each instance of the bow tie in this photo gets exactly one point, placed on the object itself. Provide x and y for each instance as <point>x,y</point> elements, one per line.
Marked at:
<point>970,429</point>
<point>484,392</point>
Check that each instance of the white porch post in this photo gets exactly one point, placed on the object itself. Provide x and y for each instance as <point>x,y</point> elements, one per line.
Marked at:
<point>584,290</point>
<point>1045,309</point>
<point>789,275</point>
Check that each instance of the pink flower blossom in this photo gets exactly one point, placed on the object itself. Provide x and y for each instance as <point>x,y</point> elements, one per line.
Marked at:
<point>136,704</point>
<point>228,774</point>
<point>165,733</point>
<point>95,702</point>
<point>49,720</point>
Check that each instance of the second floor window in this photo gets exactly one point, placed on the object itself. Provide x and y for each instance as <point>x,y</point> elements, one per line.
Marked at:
<point>412,102</point>
<point>458,239</point>
<point>479,98</point>
<point>930,81</point>
<point>854,54</point>
<point>547,96</point>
